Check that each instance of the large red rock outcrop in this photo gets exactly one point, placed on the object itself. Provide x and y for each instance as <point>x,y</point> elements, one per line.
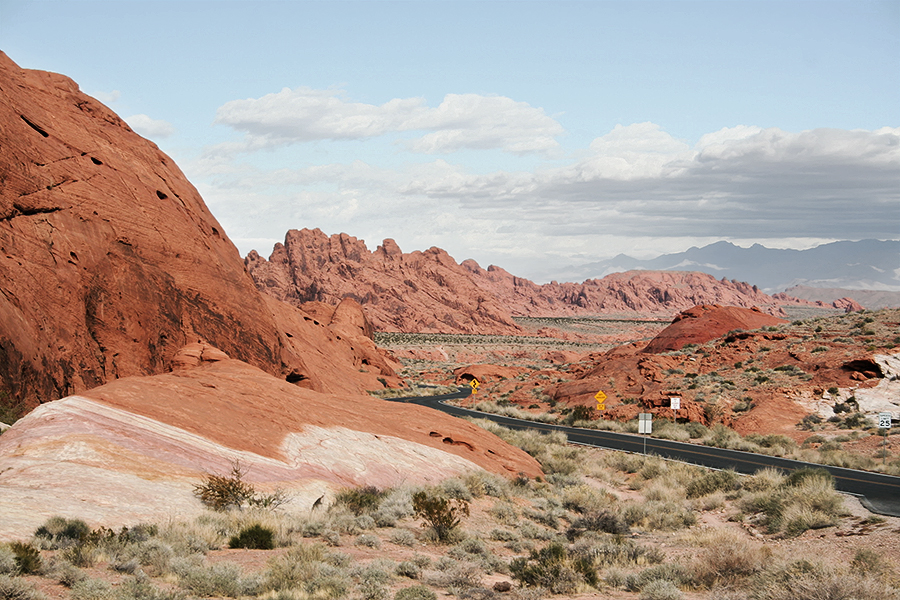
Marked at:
<point>425,292</point>
<point>703,323</point>
<point>646,292</point>
<point>131,451</point>
<point>110,261</point>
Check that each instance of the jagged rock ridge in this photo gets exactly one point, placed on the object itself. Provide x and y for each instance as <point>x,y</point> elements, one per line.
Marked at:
<point>429,292</point>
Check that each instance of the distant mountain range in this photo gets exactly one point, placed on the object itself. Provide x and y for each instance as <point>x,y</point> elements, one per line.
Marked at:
<point>863,265</point>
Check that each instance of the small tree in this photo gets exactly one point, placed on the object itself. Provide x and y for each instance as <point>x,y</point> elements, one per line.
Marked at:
<point>440,513</point>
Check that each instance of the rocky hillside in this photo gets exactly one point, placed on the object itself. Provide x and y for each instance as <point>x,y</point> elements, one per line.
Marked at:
<point>428,292</point>
<point>110,261</point>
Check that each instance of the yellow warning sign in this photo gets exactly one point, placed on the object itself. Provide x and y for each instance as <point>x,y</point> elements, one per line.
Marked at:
<point>601,407</point>
<point>474,383</point>
<point>601,400</point>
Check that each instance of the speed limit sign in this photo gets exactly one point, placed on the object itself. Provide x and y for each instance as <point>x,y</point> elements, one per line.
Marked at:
<point>884,420</point>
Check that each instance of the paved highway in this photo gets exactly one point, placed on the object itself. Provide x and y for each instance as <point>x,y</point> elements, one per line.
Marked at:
<point>878,492</point>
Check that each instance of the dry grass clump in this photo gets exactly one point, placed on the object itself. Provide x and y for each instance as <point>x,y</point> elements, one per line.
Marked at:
<point>726,557</point>
<point>804,500</point>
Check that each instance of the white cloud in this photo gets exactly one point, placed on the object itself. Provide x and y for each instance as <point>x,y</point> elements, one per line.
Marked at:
<point>461,121</point>
<point>636,190</point>
<point>150,128</point>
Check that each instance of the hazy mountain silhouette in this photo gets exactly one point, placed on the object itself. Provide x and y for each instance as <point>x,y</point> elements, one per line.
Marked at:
<point>863,265</point>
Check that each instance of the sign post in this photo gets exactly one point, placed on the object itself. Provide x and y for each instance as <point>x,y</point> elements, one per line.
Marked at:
<point>474,383</point>
<point>884,423</point>
<point>645,426</point>
<point>675,404</point>
<point>601,400</point>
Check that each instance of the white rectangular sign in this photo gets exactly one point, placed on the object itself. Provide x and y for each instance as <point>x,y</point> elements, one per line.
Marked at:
<point>884,420</point>
<point>675,402</point>
<point>645,423</point>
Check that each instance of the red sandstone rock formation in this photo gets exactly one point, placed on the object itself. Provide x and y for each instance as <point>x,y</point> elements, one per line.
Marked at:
<point>704,323</point>
<point>429,292</point>
<point>110,261</point>
<point>423,292</point>
<point>847,305</point>
<point>647,292</point>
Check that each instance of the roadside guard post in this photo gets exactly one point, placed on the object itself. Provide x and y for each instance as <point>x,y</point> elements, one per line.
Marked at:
<point>645,426</point>
<point>884,423</point>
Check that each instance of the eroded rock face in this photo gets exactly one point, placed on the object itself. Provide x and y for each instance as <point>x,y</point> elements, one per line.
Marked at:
<point>425,292</point>
<point>130,451</point>
<point>110,261</point>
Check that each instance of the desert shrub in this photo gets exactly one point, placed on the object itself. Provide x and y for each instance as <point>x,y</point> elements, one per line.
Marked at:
<point>667,516</point>
<point>441,514</point>
<point>503,535</point>
<point>820,584</point>
<point>553,569</point>
<point>764,479</point>
<point>222,492</point>
<point>296,567</point>
<point>7,561</point>
<point>58,532</point>
<point>67,574</point>
<point>416,592</point>
<point>140,588</point>
<point>368,540</point>
<point>727,557</point>
<point>408,568</point>
<point>27,557</point>
<point>455,489</point>
<point>805,499</point>
<point>403,537</point>
<point>713,481</point>
<point>219,579</point>
<point>585,498</point>
<point>660,589</point>
<point>671,572</point>
<point>600,521</point>
<point>255,537</point>
<point>93,589</point>
<point>361,500</point>
<point>505,513</point>
<point>799,476</point>
<point>14,588</point>
<point>616,550</point>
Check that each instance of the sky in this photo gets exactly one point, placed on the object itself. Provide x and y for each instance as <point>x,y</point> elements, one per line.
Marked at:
<point>536,136</point>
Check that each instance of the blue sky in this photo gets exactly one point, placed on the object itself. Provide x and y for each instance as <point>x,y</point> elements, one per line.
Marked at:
<point>537,136</point>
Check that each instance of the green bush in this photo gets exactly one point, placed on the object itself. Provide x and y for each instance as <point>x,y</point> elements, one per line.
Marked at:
<point>255,537</point>
<point>713,481</point>
<point>600,521</point>
<point>28,558</point>
<point>442,514</point>
<point>553,569</point>
<point>59,532</point>
<point>361,500</point>
<point>416,592</point>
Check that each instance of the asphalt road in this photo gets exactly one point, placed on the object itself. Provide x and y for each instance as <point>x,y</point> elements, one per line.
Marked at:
<point>878,492</point>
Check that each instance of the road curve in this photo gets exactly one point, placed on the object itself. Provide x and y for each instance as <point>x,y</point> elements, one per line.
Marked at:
<point>878,492</point>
